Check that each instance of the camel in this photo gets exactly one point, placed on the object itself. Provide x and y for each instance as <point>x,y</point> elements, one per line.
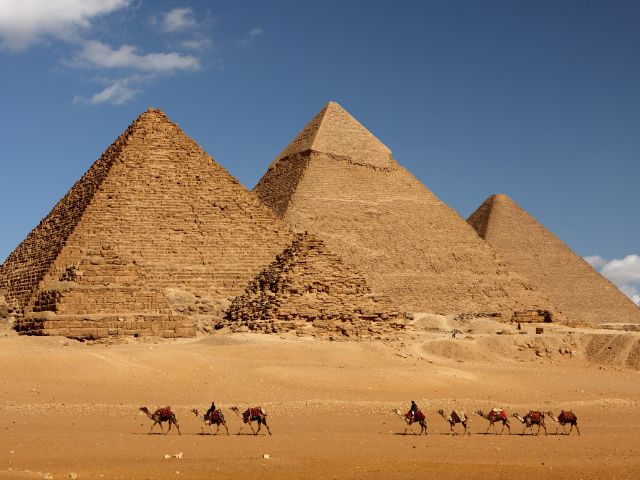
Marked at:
<point>455,418</point>
<point>496,415</point>
<point>530,419</point>
<point>417,418</point>
<point>254,414</point>
<point>162,415</point>
<point>564,418</point>
<point>214,418</point>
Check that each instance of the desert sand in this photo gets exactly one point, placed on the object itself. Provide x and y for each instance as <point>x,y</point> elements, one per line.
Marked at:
<point>71,408</point>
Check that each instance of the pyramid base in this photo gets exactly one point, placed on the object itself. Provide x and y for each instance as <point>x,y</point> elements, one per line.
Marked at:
<point>339,327</point>
<point>93,327</point>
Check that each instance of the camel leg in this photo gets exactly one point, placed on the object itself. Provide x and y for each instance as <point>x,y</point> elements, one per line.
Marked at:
<point>564,429</point>
<point>544,427</point>
<point>577,429</point>
<point>251,427</point>
<point>225,427</point>
<point>466,428</point>
<point>241,427</point>
<point>265,424</point>
<point>259,427</point>
<point>168,428</point>
<point>407,428</point>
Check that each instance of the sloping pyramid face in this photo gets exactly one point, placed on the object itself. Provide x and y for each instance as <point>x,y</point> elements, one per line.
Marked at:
<point>309,289</point>
<point>572,284</point>
<point>153,222</point>
<point>338,181</point>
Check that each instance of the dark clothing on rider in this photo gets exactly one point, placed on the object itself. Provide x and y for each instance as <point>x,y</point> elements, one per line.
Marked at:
<point>413,409</point>
<point>212,409</point>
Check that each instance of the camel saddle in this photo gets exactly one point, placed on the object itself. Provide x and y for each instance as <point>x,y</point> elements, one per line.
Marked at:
<point>418,416</point>
<point>165,413</point>
<point>212,416</point>
<point>458,417</point>
<point>499,413</point>
<point>535,416</point>
<point>255,412</point>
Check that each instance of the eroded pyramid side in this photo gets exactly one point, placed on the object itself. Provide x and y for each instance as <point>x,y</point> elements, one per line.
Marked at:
<point>551,266</point>
<point>167,239</point>
<point>309,289</point>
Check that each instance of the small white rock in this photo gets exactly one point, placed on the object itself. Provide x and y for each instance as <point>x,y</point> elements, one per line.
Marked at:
<point>166,455</point>
<point>266,455</point>
<point>73,475</point>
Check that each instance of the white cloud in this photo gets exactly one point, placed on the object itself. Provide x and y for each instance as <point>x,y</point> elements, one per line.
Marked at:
<point>596,261</point>
<point>253,33</point>
<point>119,92</point>
<point>625,273</point>
<point>26,22</point>
<point>96,54</point>
<point>178,19</point>
<point>198,45</point>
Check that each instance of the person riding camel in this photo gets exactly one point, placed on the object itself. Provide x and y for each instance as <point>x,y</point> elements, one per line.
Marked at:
<point>212,409</point>
<point>413,409</point>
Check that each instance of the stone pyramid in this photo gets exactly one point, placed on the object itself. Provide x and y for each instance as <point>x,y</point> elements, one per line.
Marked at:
<point>309,289</point>
<point>338,181</point>
<point>153,233</point>
<point>572,284</point>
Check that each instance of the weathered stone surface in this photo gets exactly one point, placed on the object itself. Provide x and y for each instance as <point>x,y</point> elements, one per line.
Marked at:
<point>580,292</point>
<point>154,213</point>
<point>340,183</point>
<point>309,289</point>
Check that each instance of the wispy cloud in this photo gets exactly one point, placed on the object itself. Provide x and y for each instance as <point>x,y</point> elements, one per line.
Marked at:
<point>252,35</point>
<point>625,273</point>
<point>178,20</point>
<point>117,92</point>
<point>26,22</point>
<point>96,54</point>
<point>197,44</point>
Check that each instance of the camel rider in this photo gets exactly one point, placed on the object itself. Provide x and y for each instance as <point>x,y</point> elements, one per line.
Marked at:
<point>212,409</point>
<point>413,409</point>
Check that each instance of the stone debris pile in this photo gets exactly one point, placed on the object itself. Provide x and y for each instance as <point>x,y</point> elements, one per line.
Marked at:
<point>309,289</point>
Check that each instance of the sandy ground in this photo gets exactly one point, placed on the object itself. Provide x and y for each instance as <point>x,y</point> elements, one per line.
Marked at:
<point>70,407</point>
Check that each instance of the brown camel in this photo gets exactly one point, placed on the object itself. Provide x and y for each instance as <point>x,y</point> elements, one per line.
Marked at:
<point>418,418</point>
<point>564,418</point>
<point>214,418</point>
<point>496,415</point>
<point>454,418</point>
<point>534,417</point>
<point>162,415</point>
<point>253,414</point>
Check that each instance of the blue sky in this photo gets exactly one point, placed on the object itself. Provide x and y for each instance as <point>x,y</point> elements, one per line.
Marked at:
<point>536,99</point>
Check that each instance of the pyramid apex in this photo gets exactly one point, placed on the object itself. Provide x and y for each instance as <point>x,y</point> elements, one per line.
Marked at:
<point>336,132</point>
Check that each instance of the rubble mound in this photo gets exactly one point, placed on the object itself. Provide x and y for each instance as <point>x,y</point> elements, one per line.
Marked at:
<point>309,289</point>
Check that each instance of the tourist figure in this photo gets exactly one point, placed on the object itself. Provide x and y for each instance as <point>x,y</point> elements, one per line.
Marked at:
<point>413,409</point>
<point>212,409</point>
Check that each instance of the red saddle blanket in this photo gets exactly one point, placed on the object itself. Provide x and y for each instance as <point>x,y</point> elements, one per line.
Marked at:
<point>213,416</point>
<point>255,412</point>
<point>499,414</point>
<point>417,417</point>
<point>535,416</point>
<point>165,413</point>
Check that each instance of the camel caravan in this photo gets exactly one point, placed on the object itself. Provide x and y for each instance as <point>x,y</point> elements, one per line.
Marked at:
<point>257,414</point>
<point>213,416</point>
<point>494,416</point>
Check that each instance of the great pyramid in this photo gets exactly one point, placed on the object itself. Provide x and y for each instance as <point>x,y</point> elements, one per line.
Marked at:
<point>309,289</point>
<point>152,234</point>
<point>580,292</point>
<point>338,181</point>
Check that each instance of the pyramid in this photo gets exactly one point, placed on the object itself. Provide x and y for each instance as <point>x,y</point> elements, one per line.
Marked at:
<point>153,233</point>
<point>339,182</point>
<point>309,289</point>
<point>572,284</point>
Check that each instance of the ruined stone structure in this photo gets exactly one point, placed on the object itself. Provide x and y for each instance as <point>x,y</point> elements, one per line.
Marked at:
<point>580,292</point>
<point>309,289</point>
<point>153,220</point>
<point>339,182</point>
